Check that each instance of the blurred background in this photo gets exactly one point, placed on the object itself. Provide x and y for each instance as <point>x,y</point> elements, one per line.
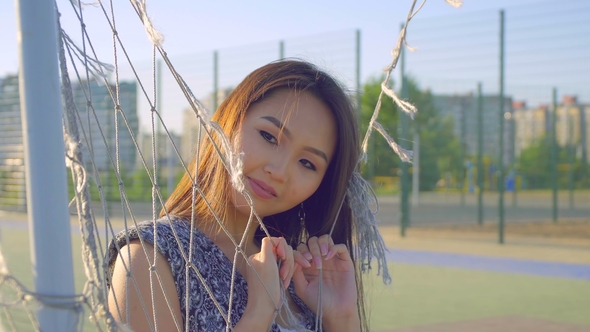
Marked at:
<point>488,229</point>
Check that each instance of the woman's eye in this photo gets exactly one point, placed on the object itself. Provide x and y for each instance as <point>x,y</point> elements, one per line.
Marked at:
<point>307,164</point>
<point>268,137</point>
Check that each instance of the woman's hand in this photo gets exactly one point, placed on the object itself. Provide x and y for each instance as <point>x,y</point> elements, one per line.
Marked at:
<point>339,296</point>
<point>272,269</point>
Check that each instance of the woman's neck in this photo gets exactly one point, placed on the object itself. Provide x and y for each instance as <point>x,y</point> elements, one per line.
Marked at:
<point>236,225</point>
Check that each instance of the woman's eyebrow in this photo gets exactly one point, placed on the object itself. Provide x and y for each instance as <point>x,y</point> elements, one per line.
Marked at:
<point>279,125</point>
<point>287,133</point>
<point>316,152</point>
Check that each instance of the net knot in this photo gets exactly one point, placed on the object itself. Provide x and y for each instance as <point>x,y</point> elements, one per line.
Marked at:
<point>100,312</point>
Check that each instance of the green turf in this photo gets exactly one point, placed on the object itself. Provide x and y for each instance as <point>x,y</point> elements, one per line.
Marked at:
<point>419,294</point>
<point>424,295</point>
<point>15,247</point>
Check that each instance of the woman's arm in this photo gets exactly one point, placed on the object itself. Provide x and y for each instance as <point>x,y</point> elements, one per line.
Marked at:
<point>126,297</point>
<point>133,298</point>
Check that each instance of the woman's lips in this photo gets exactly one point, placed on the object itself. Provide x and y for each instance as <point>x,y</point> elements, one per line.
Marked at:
<point>262,189</point>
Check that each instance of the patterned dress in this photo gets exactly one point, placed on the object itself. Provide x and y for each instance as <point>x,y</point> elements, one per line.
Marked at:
<point>214,267</point>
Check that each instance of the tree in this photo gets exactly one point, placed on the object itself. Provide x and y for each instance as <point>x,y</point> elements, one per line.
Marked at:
<point>535,166</point>
<point>439,148</point>
<point>382,161</point>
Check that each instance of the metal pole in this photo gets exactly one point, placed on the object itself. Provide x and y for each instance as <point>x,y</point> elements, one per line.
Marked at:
<point>403,138</point>
<point>513,157</point>
<point>480,171</point>
<point>554,153</point>
<point>462,154</point>
<point>571,160</point>
<point>281,49</point>
<point>215,79</point>
<point>501,138</point>
<point>47,199</point>
<point>416,167</point>
<point>371,148</point>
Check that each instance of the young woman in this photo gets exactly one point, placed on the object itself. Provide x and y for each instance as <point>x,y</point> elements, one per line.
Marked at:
<point>298,137</point>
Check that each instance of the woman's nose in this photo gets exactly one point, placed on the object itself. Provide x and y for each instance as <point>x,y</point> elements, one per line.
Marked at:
<point>278,168</point>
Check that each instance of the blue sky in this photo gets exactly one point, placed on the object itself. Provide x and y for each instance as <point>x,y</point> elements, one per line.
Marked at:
<point>195,26</point>
<point>198,26</point>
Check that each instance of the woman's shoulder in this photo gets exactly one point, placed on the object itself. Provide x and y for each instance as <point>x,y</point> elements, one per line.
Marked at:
<point>170,236</point>
<point>160,231</point>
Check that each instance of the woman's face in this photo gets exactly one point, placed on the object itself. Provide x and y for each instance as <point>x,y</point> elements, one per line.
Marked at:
<point>288,142</point>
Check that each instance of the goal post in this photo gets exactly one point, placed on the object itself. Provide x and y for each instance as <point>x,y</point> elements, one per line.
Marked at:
<point>47,201</point>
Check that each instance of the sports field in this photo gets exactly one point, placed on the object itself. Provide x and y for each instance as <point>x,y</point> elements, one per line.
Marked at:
<point>426,295</point>
<point>446,276</point>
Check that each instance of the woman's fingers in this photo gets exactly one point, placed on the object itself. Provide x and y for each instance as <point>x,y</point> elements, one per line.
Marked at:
<point>299,280</point>
<point>284,254</point>
<point>300,259</point>
<point>324,243</point>
<point>338,249</point>
<point>323,248</point>
<point>302,248</point>
<point>314,248</point>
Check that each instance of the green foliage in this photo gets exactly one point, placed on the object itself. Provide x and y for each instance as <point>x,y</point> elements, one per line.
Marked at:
<point>382,160</point>
<point>439,148</point>
<point>535,166</point>
<point>137,186</point>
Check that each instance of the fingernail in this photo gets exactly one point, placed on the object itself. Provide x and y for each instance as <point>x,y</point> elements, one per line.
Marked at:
<point>308,256</point>
<point>318,262</point>
<point>307,264</point>
<point>324,249</point>
<point>329,255</point>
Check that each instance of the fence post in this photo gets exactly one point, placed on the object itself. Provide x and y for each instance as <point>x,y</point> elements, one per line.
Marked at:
<point>501,137</point>
<point>47,199</point>
<point>462,153</point>
<point>416,167</point>
<point>403,138</point>
<point>554,153</point>
<point>281,49</point>
<point>570,152</point>
<point>480,171</point>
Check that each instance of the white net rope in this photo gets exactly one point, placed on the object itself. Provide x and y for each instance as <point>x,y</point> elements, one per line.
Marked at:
<point>86,68</point>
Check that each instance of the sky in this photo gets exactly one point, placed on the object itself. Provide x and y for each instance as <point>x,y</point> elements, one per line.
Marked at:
<point>191,26</point>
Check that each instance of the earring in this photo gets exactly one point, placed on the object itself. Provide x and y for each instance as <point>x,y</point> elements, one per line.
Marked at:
<point>302,231</point>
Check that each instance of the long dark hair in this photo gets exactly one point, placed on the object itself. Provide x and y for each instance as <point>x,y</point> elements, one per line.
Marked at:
<point>322,207</point>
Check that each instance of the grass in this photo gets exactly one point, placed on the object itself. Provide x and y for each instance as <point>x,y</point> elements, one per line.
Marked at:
<point>419,294</point>
<point>15,248</point>
<point>424,295</point>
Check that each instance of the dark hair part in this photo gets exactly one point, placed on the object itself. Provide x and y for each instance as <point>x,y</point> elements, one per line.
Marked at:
<point>322,207</point>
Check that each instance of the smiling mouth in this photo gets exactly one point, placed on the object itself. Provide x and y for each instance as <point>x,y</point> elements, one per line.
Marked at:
<point>259,188</point>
